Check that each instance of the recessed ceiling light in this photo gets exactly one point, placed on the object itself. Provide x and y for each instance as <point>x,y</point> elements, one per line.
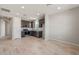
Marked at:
<point>58,8</point>
<point>22,7</point>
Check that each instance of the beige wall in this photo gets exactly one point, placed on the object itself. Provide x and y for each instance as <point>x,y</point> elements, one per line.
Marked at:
<point>2,28</point>
<point>47,27</point>
<point>16,28</point>
<point>8,28</point>
<point>63,26</point>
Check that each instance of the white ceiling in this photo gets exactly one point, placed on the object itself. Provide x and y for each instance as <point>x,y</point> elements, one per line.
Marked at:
<point>33,10</point>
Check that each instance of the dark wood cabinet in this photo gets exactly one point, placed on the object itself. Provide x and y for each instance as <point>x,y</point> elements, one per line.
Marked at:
<point>35,33</point>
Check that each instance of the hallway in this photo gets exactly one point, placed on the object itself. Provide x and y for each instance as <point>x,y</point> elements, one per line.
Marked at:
<point>36,46</point>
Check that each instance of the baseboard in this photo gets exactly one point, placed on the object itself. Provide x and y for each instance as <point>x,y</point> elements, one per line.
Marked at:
<point>67,42</point>
<point>5,37</point>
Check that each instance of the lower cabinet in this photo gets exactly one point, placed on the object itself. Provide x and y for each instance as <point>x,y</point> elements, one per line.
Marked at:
<point>31,33</point>
<point>35,33</point>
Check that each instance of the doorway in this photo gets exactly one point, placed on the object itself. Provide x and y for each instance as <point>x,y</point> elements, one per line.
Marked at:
<point>35,27</point>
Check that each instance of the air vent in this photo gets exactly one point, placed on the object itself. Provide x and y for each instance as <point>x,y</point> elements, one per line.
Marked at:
<point>6,10</point>
<point>48,4</point>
